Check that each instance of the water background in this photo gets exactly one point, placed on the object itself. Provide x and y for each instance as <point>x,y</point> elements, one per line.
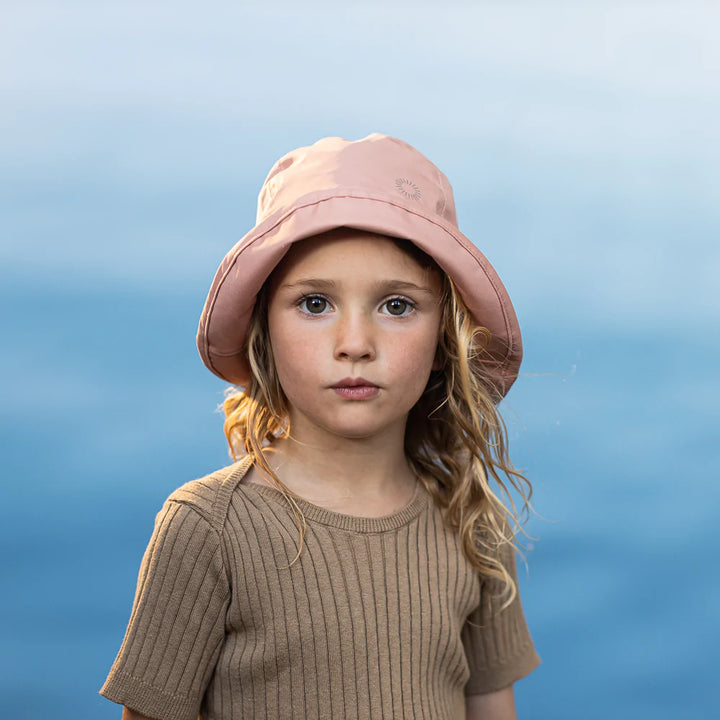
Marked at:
<point>582,144</point>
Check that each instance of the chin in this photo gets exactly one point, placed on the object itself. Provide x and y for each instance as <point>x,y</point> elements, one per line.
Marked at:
<point>355,432</point>
<point>352,423</point>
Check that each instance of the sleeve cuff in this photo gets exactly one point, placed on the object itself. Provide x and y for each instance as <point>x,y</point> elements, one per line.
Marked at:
<point>142,697</point>
<point>502,676</point>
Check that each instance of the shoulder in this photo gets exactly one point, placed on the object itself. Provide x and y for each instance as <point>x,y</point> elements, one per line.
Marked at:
<point>210,496</point>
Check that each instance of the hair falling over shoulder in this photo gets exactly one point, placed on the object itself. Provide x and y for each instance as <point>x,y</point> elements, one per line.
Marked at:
<point>455,441</point>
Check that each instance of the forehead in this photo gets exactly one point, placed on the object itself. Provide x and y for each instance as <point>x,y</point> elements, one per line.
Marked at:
<point>347,251</point>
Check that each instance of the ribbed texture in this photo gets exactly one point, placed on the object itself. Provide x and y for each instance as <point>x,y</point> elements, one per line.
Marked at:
<point>370,622</point>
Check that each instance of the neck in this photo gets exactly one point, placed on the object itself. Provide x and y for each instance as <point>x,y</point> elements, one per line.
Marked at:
<point>340,470</point>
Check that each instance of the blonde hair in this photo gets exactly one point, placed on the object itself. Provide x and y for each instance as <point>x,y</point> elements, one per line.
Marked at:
<point>455,439</point>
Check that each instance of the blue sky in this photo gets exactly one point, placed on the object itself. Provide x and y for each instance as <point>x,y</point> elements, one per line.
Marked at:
<point>583,144</point>
<point>592,114</point>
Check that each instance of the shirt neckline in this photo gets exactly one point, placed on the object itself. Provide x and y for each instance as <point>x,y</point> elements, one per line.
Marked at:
<point>343,521</point>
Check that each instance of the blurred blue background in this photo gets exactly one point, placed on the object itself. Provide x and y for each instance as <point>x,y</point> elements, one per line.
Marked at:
<point>582,142</point>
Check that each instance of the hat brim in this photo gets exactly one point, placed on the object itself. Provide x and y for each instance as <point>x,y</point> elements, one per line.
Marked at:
<point>229,305</point>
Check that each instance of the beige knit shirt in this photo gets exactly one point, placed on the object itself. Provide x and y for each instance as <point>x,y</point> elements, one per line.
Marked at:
<point>378,618</point>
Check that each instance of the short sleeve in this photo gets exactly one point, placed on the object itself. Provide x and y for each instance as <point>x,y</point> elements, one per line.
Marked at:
<point>177,624</point>
<point>497,643</point>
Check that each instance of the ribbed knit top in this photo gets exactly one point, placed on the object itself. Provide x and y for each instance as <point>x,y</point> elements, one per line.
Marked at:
<point>378,617</point>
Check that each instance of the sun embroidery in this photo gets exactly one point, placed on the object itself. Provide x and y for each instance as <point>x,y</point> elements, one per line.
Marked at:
<point>408,188</point>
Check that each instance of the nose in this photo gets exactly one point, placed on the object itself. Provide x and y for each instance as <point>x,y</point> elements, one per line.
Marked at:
<point>355,338</point>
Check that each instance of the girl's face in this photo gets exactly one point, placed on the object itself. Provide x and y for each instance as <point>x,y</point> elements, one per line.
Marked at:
<point>354,324</point>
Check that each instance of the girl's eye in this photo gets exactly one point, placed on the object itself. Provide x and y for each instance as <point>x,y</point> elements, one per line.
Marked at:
<point>314,304</point>
<point>398,306</point>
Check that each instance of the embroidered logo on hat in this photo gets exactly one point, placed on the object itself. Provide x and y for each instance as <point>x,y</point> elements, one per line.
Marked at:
<point>408,188</point>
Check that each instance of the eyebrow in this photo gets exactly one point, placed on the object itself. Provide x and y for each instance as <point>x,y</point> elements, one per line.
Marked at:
<point>383,286</point>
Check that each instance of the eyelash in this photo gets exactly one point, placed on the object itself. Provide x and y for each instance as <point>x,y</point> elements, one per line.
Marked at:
<point>301,304</point>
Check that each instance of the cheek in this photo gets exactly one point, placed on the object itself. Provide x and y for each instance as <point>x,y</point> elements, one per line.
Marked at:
<point>415,356</point>
<point>294,353</point>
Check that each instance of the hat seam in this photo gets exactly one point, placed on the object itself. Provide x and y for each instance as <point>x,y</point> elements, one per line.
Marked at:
<point>442,194</point>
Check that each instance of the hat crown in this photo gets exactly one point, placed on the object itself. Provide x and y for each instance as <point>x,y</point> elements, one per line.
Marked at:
<point>377,166</point>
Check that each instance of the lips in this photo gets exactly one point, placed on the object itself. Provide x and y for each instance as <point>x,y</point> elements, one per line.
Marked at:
<point>353,382</point>
<point>355,389</point>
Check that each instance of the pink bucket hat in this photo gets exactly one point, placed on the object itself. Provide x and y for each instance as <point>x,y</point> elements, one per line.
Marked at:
<point>378,184</point>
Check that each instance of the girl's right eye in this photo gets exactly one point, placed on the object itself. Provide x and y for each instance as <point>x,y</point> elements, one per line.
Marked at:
<point>313,304</point>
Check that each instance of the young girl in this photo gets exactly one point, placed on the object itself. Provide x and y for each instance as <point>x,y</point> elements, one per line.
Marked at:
<point>357,560</point>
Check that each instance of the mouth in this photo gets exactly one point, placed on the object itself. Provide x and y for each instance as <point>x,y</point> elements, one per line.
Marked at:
<point>355,388</point>
<point>353,382</point>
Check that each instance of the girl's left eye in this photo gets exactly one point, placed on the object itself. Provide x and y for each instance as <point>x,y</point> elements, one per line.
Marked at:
<point>398,306</point>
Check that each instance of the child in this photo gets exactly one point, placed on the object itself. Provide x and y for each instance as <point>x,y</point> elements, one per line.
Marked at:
<point>357,560</point>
